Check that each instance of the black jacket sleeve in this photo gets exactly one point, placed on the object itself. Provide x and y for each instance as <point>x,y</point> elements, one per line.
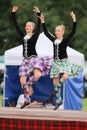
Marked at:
<point>38,26</point>
<point>72,33</point>
<point>16,25</point>
<point>49,35</point>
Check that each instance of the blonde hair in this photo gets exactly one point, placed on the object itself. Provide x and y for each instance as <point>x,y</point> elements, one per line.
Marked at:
<point>33,24</point>
<point>62,26</point>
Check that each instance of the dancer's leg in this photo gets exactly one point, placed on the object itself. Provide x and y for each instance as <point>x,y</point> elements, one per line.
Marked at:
<point>58,90</point>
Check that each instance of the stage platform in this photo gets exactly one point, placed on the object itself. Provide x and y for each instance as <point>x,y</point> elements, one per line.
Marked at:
<point>42,119</point>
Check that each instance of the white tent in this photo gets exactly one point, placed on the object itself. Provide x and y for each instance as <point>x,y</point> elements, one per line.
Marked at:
<point>44,47</point>
<point>85,68</point>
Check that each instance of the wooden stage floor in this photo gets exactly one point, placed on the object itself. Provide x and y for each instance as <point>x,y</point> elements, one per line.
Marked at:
<point>43,114</point>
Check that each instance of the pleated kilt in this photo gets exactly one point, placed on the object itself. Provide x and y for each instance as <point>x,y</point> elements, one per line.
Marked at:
<point>64,66</point>
<point>28,65</point>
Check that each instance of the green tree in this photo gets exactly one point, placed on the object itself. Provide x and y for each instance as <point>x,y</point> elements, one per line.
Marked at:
<point>4,25</point>
<point>56,12</point>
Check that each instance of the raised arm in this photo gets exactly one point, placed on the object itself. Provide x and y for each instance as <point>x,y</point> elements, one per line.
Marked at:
<point>14,10</point>
<point>52,38</point>
<point>38,26</point>
<point>73,31</point>
<point>36,9</point>
<point>73,16</point>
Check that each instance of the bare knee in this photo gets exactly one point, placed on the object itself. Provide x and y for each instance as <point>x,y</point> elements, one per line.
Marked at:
<point>23,80</point>
<point>65,77</point>
<point>37,73</point>
<point>55,81</point>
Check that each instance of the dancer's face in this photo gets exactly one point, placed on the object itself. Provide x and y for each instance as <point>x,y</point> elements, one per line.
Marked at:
<point>59,31</point>
<point>29,27</point>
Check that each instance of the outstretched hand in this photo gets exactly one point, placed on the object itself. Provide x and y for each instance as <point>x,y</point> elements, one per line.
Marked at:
<point>73,16</point>
<point>15,8</point>
<point>36,9</point>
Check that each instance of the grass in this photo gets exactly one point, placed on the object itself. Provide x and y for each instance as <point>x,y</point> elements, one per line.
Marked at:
<point>84,102</point>
<point>1,99</point>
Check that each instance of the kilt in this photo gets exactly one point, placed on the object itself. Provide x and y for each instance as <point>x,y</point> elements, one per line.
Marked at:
<point>64,66</point>
<point>29,64</point>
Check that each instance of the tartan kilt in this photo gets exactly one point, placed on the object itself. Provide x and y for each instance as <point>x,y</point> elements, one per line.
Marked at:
<point>64,66</point>
<point>42,63</point>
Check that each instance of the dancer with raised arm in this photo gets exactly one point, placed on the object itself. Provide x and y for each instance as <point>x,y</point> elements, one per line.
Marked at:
<point>61,67</point>
<point>32,67</point>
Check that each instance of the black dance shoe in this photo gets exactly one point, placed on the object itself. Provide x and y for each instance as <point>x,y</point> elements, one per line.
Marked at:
<point>49,100</point>
<point>58,104</point>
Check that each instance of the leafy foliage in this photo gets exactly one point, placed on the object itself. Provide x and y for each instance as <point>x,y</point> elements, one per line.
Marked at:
<point>56,12</point>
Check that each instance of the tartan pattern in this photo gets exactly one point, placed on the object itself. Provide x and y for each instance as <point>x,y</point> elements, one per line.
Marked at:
<point>28,83</point>
<point>43,63</point>
<point>75,69</point>
<point>58,94</point>
<point>60,82</point>
<point>27,67</point>
<point>64,66</point>
<point>26,97</point>
<point>30,124</point>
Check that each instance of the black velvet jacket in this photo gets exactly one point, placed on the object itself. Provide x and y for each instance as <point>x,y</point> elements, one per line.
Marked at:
<point>60,50</point>
<point>31,42</point>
